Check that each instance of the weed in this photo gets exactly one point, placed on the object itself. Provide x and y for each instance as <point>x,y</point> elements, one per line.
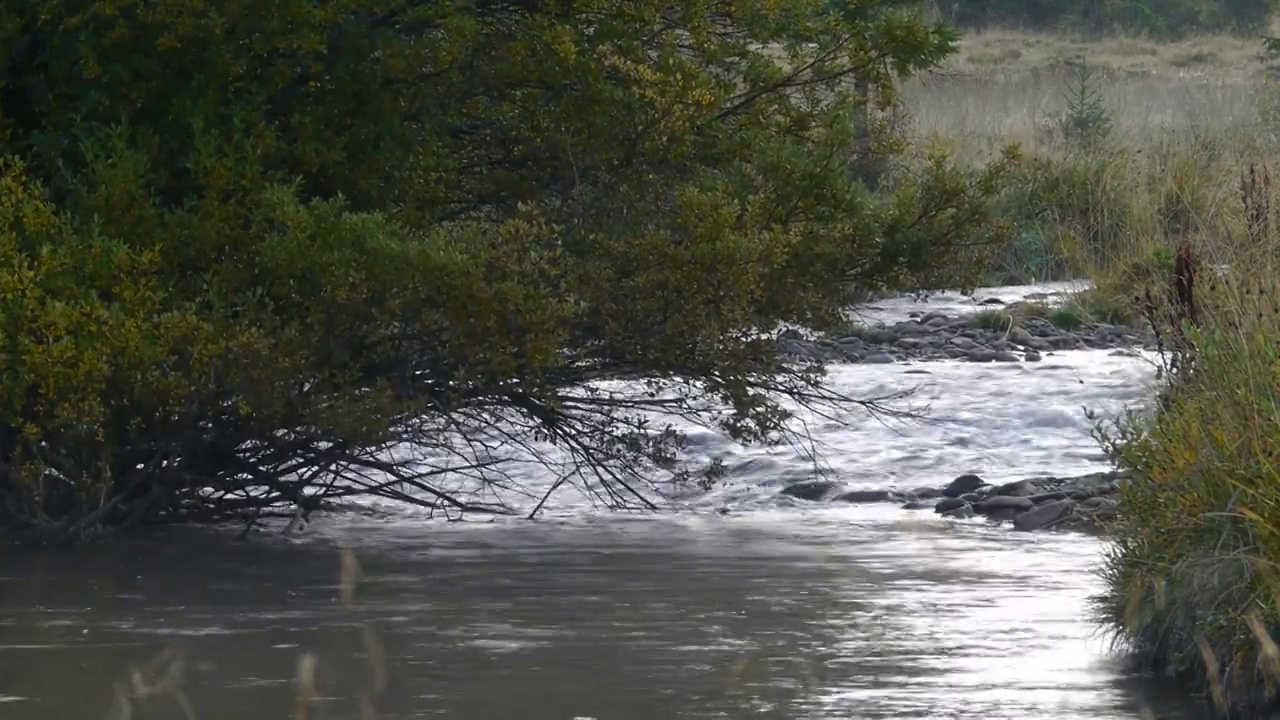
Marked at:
<point>1001,320</point>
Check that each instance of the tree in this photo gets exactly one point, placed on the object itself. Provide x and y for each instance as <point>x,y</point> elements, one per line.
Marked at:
<point>245,247</point>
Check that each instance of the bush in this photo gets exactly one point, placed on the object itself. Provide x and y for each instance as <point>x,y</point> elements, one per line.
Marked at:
<point>1191,579</point>
<point>247,248</point>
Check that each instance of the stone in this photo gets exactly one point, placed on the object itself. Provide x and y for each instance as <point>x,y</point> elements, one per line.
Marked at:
<point>1101,508</point>
<point>982,355</point>
<point>966,483</point>
<point>1017,488</point>
<point>1043,516</point>
<point>963,511</point>
<point>796,348</point>
<point>963,343</point>
<point>926,493</point>
<point>915,505</point>
<point>1041,498</point>
<point>1031,356</point>
<point>868,496</point>
<point>947,504</point>
<point>1006,356</point>
<point>879,358</point>
<point>809,489</point>
<point>933,316</point>
<point>1020,336</point>
<point>1087,486</point>
<point>1001,514</point>
<point>1005,502</point>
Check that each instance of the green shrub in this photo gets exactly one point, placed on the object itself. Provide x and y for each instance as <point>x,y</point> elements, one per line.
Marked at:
<point>246,247</point>
<point>1191,579</point>
<point>1001,320</point>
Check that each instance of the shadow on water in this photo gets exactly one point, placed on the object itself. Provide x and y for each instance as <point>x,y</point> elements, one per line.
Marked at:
<point>783,615</point>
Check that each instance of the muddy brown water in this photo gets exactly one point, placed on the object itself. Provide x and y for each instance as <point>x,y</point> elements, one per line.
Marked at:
<point>867,612</point>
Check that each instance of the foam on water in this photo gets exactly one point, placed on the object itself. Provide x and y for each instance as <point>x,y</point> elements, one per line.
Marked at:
<point>1001,420</point>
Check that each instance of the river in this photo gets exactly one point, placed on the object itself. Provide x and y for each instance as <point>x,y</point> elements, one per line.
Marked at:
<point>738,604</point>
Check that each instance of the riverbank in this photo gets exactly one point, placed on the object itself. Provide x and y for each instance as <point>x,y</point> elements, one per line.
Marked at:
<point>1153,149</point>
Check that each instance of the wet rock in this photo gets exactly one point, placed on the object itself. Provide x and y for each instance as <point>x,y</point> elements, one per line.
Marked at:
<point>879,358</point>
<point>1041,498</point>
<point>1020,336</point>
<point>993,301</point>
<point>964,484</point>
<point>796,348</point>
<point>982,355</point>
<point>1088,486</point>
<point>1043,516</point>
<point>1064,342</point>
<point>1001,514</point>
<point>1006,356</point>
<point>868,496</point>
<point>1005,502</point>
<point>1017,488</point>
<point>915,505</point>
<point>946,505</point>
<point>963,511</point>
<point>971,497</point>
<point>809,489</point>
<point>926,493</point>
<point>1031,356</point>
<point>963,343</point>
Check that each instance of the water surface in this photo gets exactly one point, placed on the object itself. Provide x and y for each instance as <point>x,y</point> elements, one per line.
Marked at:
<point>731,604</point>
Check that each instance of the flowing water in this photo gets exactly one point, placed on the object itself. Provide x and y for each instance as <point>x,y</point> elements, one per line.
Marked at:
<point>741,604</point>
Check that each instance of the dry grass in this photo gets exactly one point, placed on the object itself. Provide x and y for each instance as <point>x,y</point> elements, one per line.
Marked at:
<point>1191,579</point>
<point>1227,58</point>
<point>1186,119</point>
<point>1007,86</point>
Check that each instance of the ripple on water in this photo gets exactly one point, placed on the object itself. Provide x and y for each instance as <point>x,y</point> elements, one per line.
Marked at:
<point>796,609</point>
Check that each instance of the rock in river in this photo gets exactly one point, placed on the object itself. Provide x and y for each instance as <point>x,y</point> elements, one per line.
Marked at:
<point>809,489</point>
<point>868,496</point>
<point>964,484</point>
<point>1043,516</point>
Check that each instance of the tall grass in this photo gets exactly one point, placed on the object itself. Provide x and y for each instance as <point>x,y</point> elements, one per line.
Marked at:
<point>1191,578</point>
<point>1193,570</point>
<point>1180,133</point>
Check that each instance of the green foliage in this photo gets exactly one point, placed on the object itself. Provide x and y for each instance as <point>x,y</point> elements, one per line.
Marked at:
<point>1191,578</point>
<point>247,247</point>
<point>1087,121</point>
